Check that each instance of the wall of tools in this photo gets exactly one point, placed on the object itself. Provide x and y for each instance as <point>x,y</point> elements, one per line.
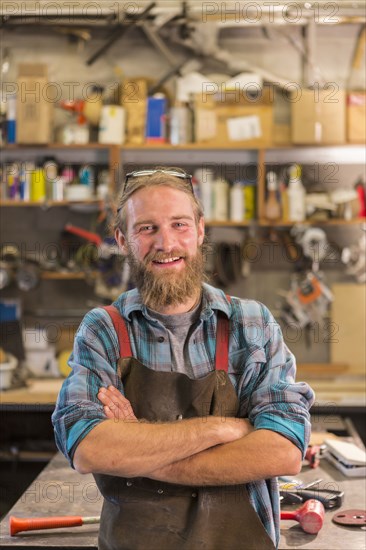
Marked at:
<point>291,269</point>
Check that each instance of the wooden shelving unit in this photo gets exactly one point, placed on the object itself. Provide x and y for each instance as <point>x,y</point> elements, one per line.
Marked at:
<point>333,222</point>
<point>48,203</point>
<point>66,275</point>
<point>190,155</point>
<point>280,154</point>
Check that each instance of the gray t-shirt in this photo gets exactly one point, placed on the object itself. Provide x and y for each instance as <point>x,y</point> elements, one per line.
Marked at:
<point>179,327</point>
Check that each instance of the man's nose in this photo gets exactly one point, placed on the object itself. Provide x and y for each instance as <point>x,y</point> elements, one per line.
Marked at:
<point>164,239</point>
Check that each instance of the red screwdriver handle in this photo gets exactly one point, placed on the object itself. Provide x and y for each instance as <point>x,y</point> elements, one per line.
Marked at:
<point>31,524</point>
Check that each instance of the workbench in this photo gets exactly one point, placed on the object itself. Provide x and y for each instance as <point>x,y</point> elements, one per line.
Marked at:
<point>59,490</point>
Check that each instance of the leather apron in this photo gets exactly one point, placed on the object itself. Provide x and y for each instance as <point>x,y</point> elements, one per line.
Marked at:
<point>145,514</point>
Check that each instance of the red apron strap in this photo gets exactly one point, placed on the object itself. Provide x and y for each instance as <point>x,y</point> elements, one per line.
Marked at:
<point>121,331</point>
<point>222,341</point>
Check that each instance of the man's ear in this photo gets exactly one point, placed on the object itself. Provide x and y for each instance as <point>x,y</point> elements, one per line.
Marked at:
<point>121,241</point>
<point>201,230</point>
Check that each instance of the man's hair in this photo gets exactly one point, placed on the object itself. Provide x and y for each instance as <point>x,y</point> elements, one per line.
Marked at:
<point>159,178</point>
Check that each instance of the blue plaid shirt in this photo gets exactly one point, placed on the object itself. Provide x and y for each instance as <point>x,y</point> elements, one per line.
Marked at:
<point>261,368</point>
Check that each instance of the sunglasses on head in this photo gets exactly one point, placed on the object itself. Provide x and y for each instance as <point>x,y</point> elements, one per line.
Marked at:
<point>143,173</point>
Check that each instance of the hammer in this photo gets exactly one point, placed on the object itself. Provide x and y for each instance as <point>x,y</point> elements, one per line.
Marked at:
<point>16,525</point>
<point>310,516</point>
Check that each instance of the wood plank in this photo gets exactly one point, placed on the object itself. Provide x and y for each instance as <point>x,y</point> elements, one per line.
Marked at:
<point>348,317</point>
<point>36,391</point>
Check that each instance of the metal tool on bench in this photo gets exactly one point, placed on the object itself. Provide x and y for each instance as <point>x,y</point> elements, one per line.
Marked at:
<point>330,498</point>
<point>354,517</point>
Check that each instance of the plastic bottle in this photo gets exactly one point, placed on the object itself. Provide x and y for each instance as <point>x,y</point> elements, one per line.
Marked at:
<point>296,195</point>
<point>25,180</point>
<point>13,181</point>
<point>205,178</point>
<point>221,200</point>
<point>272,206</point>
<point>284,199</point>
<point>11,118</point>
<point>179,130</point>
<point>38,185</point>
<point>249,201</point>
<point>360,187</point>
<point>237,207</point>
<point>51,171</point>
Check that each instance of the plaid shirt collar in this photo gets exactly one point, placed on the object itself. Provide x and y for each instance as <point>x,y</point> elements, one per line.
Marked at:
<point>212,299</point>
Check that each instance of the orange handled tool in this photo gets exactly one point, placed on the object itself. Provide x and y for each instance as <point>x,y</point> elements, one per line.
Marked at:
<point>31,524</point>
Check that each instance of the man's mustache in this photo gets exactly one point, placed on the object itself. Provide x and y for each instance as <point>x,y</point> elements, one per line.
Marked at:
<point>160,256</point>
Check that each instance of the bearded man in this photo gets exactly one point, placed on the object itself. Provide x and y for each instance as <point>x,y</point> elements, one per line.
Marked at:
<point>181,401</point>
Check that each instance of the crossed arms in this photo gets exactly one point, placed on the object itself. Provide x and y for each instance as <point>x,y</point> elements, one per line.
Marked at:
<point>199,451</point>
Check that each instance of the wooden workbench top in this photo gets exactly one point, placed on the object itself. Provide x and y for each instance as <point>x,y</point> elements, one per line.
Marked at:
<point>336,390</point>
<point>59,490</point>
<point>37,391</point>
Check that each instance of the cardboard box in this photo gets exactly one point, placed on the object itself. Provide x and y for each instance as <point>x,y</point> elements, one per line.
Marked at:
<point>134,101</point>
<point>282,134</point>
<point>34,108</point>
<point>356,117</point>
<point>318,117</point>
<point>230,119</point>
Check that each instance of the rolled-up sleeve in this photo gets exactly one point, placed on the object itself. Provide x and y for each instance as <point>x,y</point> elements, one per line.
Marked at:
<point>274,400</point>
<point>94,364</point>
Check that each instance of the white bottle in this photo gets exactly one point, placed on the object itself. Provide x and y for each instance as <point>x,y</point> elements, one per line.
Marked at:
<point>205,178</point>
<point>112,125</point>
<point>221,200</point>
<point>296,195</point>
<point>237,207</point>
<point>272,206</point>
<point>179,124</point>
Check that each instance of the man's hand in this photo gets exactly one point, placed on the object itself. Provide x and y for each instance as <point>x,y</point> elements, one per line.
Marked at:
<point>150,446</point>
<point>116,406</point>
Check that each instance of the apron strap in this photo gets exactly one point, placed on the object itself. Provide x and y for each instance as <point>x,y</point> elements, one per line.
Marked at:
<point>121,331</point>
<point>222,341</point>
<point>222,337</point>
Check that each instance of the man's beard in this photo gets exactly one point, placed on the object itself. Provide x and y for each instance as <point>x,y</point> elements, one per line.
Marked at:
<point>167,288</point>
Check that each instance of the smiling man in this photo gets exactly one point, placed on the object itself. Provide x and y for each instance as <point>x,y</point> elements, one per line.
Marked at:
<point>181,400</point>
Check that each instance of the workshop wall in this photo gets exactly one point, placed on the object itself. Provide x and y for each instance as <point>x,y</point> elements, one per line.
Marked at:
<point>133,56</point>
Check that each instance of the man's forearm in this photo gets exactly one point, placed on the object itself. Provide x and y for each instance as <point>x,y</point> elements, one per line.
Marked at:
<point>260,455</point>
<point>133,449</point>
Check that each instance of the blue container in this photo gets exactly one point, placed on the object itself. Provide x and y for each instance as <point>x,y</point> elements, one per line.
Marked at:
<point>11,131</point>
<point>156,118</point>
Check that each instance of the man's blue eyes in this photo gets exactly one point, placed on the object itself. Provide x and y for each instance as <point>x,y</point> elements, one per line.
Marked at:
<point>153,227</point>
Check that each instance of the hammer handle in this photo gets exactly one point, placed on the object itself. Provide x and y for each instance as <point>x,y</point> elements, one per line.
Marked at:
<point>289,515</point>
<point>31,524</point>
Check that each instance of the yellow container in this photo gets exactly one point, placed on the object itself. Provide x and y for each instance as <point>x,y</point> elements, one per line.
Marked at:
<point>38,185</point>
<point>249,201</point>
